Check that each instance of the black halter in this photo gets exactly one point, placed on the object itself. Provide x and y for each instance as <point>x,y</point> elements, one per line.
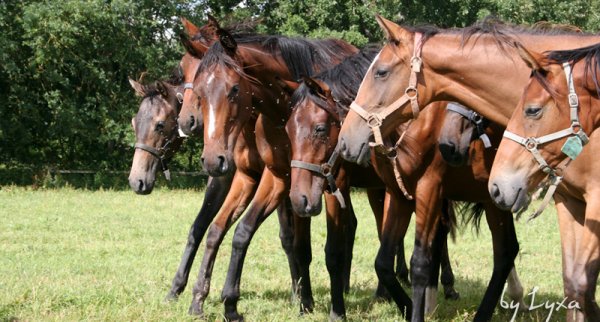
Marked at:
<point>479,121</point>
<point>160,154</point>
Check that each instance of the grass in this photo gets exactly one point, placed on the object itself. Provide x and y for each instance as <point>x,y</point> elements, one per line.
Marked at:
<point>72,254</point>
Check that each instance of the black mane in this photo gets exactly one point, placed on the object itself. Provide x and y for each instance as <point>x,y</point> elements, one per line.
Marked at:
<point>343,80</point>
<point>303,57</point>
<point>590,55</point>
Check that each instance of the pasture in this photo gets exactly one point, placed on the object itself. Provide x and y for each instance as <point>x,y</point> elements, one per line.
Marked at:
<point>70,254</point>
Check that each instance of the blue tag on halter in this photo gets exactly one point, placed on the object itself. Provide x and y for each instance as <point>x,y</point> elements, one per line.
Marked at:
<point>572,147</point>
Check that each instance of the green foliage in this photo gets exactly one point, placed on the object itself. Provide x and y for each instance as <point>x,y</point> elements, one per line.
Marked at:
<point>64,97</point>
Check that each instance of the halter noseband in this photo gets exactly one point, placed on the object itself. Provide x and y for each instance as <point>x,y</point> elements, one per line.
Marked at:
<point>160,154</point>
<point>324,170</point>
<point>476,119</point>
<point>375,119</point>
<point>572,147</point>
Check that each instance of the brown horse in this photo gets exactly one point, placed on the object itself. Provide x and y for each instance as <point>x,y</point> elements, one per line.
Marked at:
<point>319,105</point>
<point>228,94</point>
<point>550,128</point>
<point>475,66</point>
<point>155,127</point>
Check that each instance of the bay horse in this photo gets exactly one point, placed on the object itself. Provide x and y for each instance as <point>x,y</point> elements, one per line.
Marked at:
<point>552,135</point>
<point>155,128</point>
<point>475,66</point>
<point>319,105</point>
<point>233,84</point>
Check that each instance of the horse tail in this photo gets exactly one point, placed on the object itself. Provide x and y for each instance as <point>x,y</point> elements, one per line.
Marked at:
<point>471,213</point>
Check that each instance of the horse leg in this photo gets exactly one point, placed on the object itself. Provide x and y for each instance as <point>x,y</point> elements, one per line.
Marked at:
<point>428,213</point>
<point>335,251</point>
<point>349,235</point>
<point>303,255</point>
<point>447,275</point>
<point>286,235</point>
<point>506,248</point>
<point>376,198</point>
<point>271,192</point>
<point>242,190</point>
<point>215,194</point>
<point>580,284</point>
<point>397,212</point>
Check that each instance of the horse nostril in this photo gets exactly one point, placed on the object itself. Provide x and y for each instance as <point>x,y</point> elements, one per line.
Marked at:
<point>192,121</point>
<point>495,191</point>
<point>342,145</point>
<point>304,202</point>
<point>141,185</point>
<point>222,163</point>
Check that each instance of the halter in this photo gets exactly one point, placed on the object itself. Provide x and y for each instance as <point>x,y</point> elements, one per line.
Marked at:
<point>476,119</point>
<point>185,87</point>
<point>375,119</point>
<point>160,154</point>
<point>572,147</point>
<point>324,170</point>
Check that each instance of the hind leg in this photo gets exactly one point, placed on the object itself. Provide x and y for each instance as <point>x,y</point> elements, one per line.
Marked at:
<point>505,247</point>
<point>215,194</point>
<point>397,214</point>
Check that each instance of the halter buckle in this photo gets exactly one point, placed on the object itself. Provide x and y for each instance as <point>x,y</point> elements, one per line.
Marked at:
<point>411,92</point>
<point>179,97</point>
<point>374,121</point>
<point>415,63</point>
<point>325,169</point>
<point>573,100</point>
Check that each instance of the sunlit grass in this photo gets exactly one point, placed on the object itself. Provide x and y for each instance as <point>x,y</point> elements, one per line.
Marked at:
<point>110,255</point>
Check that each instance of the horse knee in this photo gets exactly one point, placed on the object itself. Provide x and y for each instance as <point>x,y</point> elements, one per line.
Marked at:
<point>241,237</point>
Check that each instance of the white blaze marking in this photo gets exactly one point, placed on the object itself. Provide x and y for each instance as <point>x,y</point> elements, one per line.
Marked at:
<point>368,70</point>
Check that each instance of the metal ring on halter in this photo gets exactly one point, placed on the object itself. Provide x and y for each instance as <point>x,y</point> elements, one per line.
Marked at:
<point>374,120</point>
<point>531,144</point>
<point>179,97</point>
<point>413,91</point>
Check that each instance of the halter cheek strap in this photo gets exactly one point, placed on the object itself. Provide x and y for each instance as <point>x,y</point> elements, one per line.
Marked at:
<point>474,118</point>
<point>572,147</point>
<point>324,170</point>
<point>375,119</point>
<point>185,87</point>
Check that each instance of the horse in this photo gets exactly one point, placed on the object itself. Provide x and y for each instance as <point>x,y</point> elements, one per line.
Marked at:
<point>476,66</point>
<point>319,106</point>
<point>228,94</point>
<point>155,128</point>
<point>552,135</point>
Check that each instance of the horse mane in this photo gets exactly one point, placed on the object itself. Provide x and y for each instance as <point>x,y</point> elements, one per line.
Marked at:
<point>590,55</point>
<point>343,80</point>
<point>303,57</point>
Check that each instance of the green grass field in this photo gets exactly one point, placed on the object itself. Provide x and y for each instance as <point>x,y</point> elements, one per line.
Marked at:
<point>71,254</point>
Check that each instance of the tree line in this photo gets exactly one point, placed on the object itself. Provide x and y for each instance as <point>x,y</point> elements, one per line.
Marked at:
<point>64,97</point>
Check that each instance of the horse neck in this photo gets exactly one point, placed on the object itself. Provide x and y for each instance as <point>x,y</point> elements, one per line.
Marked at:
<point>481,75</point>
<point>421,134</point>
<point>269,98</point>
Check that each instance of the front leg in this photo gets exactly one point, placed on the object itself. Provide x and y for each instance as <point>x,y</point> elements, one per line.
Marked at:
<point>270,193</point>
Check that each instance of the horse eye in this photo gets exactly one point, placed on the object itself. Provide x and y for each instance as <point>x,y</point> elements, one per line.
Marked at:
<point>320,128</point>
<point>160,126</point>
<point>381,73</point>
<point>533,111</point>
<point>234,90</point>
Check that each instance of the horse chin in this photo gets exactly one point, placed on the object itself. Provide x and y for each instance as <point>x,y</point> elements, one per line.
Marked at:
<point>453,157</point>
<point>364,156</point>
<point>305,206</point>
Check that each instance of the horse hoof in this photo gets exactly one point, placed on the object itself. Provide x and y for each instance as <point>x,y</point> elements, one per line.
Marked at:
<point>452,295</point>
<point>196,310</point>
<point>171,297</point>
<point>336,317</point>
<point>306,308</point>
<point>234,317</point>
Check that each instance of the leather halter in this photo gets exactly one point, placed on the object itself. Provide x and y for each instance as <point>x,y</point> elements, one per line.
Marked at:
<point>185,87</point>
<point>375,119</point>
<point>325,170</point>
<point>476,119</point>
<point>160,154</point>
<point>574,132</point>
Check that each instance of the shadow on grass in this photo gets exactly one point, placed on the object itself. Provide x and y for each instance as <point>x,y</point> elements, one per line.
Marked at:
<point>361,300</point>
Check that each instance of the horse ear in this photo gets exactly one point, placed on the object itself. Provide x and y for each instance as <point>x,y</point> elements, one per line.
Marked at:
<point>140,90</point>
<point>314,85</point>
<point>189,27</point>
<point>213,22</point>
<point>227,41</point>
<point>288,86</point>
<point>162,89</point>
<point>534,60</point>
<point>392,31</point>
<point>194,48</point>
